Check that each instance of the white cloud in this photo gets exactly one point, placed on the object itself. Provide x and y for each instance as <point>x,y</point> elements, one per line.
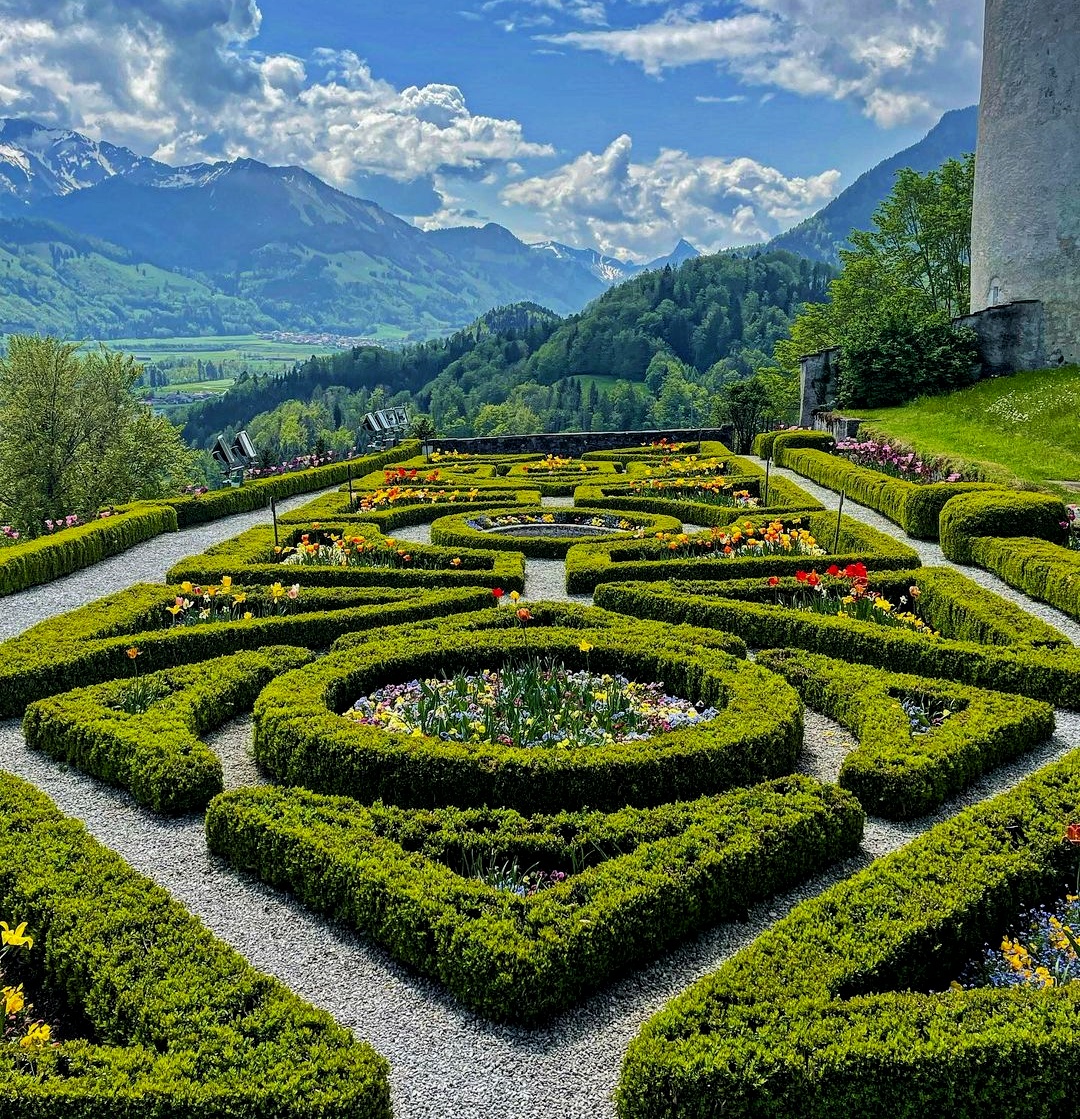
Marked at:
<point>734,99</point>
<point>640,209</point>
<point>584,11</point>
<point>179,79</point>
<point>921,57</point>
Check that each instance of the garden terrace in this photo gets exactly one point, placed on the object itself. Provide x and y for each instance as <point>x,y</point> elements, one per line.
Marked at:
<point>301,737</point>
<point>652,454</point>
<point>985,640</point>
<point>251,558</point>
<point>559,481</point>
<point>700,556</point>
<point>544,533</point>
<point>634,881</point>
<point>178,1022</point>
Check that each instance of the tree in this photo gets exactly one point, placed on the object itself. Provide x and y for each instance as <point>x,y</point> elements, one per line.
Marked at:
<point>746,405</point>
<point>422,428</point>
<point>74,436</point>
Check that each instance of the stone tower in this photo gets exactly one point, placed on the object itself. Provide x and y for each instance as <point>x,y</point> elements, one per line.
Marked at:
<point>1026,221</point>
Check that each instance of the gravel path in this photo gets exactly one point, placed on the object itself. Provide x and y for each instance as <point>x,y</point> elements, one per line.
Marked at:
<point>446,1062</point>
<point>145,563</point>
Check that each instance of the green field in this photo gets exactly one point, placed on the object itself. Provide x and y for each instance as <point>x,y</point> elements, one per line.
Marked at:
<point>1026,426</point>
<point>259,354</point>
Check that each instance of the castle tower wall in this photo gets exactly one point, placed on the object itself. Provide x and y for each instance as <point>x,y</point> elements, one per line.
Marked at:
<point>1026,220</point>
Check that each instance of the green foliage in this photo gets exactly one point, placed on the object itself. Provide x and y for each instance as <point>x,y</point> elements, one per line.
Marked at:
<point>1002,514</point>
<point>334,507</point>
<point>987,641</point>
<point>896,773</point>
<point>644,878</point>
<point>179,1023</point>
<point>157,755</point>
<point>843,1006</point>
<point>1047,572</point>
<point>300,737</point>
<point>74,437</point>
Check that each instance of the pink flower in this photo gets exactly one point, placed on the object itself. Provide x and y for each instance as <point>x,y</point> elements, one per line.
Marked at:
<point>294,590</point>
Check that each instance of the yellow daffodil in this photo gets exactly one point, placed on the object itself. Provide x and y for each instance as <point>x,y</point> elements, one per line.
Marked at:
<point>13,1000</point>
<point>15,938</point>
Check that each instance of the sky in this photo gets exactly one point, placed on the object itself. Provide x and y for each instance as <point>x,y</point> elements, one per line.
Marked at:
<point>617,125</point>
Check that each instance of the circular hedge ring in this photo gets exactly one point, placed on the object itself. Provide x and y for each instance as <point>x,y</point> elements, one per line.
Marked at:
<point>301,737</point>
<point>544,533</point>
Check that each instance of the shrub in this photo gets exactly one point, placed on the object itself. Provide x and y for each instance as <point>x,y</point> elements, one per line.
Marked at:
<point>87,645</point>
<point>827,1013</point>
<point>334,507</point>
<point>158,756</point>
<point>638,879</point>
<point>654,456</point>
<point>999,513</point>
<point>33,562</point>
<point>785,441</point>
<point>300,737</point>
<point>180,1024</point>
<point>988,641</point>
<point>559,482</point>
<point>897,773</point>
<point>1048,572</point>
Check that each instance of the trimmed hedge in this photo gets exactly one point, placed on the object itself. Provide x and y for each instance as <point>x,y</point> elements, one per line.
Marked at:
<point>999,513</point>
<point>87,645</point>
<point>49,557</point>
<point>335,507</point>
<point>915,508</point>
<point>784,497</point>
<point>250,558</point>
<point>708,448</point>
<point>556,483</point>
<point>1048,572</point>
<point>996,644</point>
<point>157,756</point>
<point>301,738</point>
<point>898,774</point>
<point>589,565</point>
<point>774,443</point>
<point>454,531</point>
<point>182,1026</point>
<point>645,878</point>
<point>843,1008</point>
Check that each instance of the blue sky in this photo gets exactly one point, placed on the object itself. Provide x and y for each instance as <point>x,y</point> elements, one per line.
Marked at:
<point>613,124</point>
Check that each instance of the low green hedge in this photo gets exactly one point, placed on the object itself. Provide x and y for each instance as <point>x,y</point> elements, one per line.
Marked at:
<point>843,1008</point>
<point>301,737</point>
<point>915,508</point>
<point>989,642</point>
<point>637,880</point>
<point>158,756</point>
<point>1048,572</point>
<point>707,448</point>
<point>589,565</point>
<point>556,483</point>
<point>87,645</point>
<point>783,497</point>
<point>33,562</point>
<point>455,530</point>
<point>894,772</point>
<point>999,513</point>
<point>180,1025</point>
<point>774,443</point>
<point>250,558</point>
<point>335,507</point>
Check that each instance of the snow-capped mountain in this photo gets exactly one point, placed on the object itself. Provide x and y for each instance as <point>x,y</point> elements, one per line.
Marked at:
<point>611,269</point>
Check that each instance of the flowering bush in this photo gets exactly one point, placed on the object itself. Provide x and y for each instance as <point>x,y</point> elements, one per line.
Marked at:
<point>536,704</point>
<point>395,477</point>
<point>551,464</point>
<point>300,462</point>
<point>776,539</point>
<point>712,491</point>
<point>18,1023</point>
<point>692,465</point>
<point>848,592</point>
<point>409,495</point>
<point>350,551</point>
<point>225,602</point>
<point>897,463</point>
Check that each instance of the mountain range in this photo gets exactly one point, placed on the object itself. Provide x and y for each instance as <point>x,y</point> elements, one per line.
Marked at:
<point>98,242</point>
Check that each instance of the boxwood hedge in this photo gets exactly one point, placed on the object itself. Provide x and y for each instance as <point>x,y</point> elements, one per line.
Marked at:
<point>987,642</point>
<point>301,737</point>
<point>158,756</point>
<point>589,565</point>
<point>560,482</point>
<point>87,645</point>
<point>707,448</point>
<point>437,502</point>
<point>180,1025</point>
<point>637,880</point>
<point>1048,572</point>
<point>897,773</point>
<point>844,1007</point>
<point>1000,513</point>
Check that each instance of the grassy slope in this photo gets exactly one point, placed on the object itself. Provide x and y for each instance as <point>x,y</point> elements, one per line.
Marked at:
<point>1027,424</point>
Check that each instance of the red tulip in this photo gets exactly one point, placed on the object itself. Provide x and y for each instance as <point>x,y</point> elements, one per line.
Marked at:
<point>801,576</point>
<point>1072,833</point>
<point>773,581</point>
<point>834,571</point>
<point>498,592</point>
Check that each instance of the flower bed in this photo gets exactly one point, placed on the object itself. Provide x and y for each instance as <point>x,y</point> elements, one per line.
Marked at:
<point>543,533</point>
<point>986,640</point>
<point>654,453</point>
<point>703,556</point>
<point>904,766</point>
<point>181,1025</point>
<point>157,753</point>
<point>301,737</point>
<point>897,462</point>
<point>844,1007</point>
<point>555,477</point>
<point>420,507</point>
<point>632,882</point>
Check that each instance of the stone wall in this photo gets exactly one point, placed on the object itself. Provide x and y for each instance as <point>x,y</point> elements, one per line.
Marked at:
<point>1012,337</point>
<point>572,444</point>
<point>817,389</point>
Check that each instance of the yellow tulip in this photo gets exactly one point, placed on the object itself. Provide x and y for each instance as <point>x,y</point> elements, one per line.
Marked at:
<point>16,938</point>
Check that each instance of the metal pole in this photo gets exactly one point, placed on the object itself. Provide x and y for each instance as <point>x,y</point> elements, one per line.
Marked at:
<point>348,471</point>
<point>768,467</point>
<point>273,514</point>
<point>839,514</point>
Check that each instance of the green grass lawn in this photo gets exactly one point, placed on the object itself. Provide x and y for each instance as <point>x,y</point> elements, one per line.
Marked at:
<point>1027,425</point>
<point>221,384</point>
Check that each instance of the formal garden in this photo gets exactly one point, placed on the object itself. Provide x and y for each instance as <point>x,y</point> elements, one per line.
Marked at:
<point>659,782</point>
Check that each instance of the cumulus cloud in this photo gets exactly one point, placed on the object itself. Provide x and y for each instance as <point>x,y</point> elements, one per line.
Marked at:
<point>179,79</point>
<point>922,56</point>
<point>639,209</point>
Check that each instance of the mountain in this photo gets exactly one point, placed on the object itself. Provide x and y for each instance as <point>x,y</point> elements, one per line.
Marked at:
<point>609,269</point>
<point>821,236</point>
<point>682,252</point>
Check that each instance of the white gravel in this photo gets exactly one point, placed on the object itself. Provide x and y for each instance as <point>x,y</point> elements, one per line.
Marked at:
<point>446,1062</point>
